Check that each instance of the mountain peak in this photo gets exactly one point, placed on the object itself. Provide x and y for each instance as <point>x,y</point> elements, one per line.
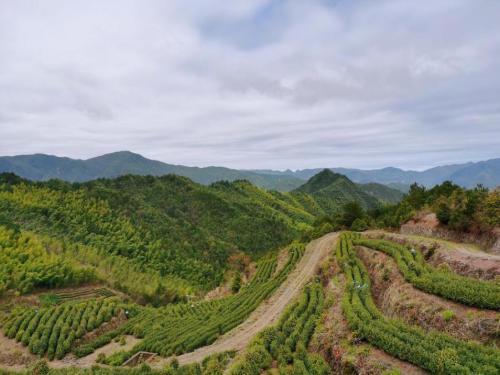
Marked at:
<point>321,180</point>
<point>119,154</point>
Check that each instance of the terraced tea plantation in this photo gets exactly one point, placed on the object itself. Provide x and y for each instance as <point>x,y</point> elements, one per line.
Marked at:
<point>285,344</point>
<point>433,351</point>
<point>182,328</point>
<point>289,346</point>
<point>466,290</point>
<point>52,331</point>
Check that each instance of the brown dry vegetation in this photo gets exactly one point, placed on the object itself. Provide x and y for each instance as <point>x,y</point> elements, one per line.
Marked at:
<point>238,262</point>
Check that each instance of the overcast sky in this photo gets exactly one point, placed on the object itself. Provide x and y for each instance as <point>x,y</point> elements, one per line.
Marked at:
<point>253,83</point>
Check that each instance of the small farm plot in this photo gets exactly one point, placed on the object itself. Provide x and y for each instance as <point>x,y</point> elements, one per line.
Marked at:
<point>78,294</point>
<point>52,331</point>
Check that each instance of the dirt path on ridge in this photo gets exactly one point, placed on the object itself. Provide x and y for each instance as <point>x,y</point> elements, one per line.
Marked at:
<point>269,311</point>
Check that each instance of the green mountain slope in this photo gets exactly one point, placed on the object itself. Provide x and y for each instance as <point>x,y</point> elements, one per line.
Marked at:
<point>169,231</point>
<point>169,224</point>
<point>320,181</point>
<point>330,191</point>
<point>383,193</point>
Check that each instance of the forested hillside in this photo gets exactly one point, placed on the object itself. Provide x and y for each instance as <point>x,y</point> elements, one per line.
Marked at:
<point>384,193</point>
<point>332,190</point>
<point>168,224</point>
<point>168,239</point>
<point>166,227</point>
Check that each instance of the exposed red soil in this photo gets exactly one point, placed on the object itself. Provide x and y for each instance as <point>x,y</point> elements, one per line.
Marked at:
<point>425,220</point>
<point>237,262</point>
<point>106,327</point>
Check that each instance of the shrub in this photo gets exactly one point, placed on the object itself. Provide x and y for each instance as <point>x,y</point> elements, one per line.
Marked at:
<point>174,363</point>
<point>392,371</point>
<point>359,225</point>
<point>40,368</point>
<point>448,315</point>
<point>236,285</point>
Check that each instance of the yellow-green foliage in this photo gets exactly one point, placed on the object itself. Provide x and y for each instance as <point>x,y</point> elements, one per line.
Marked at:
<point>167,224</point>
<point>27,262</point>
<point>448,315</point>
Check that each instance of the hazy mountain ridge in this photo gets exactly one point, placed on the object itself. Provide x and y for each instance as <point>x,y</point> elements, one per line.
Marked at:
<point>41,167</point>
<point>467,175</point>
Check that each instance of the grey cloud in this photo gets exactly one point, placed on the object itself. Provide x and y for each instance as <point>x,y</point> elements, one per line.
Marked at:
<point>253,84</point>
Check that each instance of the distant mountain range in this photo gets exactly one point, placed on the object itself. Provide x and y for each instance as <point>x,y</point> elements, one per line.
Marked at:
<point>42,167</point>
<point>468,175</point>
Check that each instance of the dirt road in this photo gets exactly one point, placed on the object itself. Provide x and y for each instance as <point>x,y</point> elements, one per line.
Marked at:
<point>270,311</point>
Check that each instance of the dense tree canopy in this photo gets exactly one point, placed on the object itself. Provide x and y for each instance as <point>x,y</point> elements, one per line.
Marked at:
<point>470,210</point>
<point>26,262</point>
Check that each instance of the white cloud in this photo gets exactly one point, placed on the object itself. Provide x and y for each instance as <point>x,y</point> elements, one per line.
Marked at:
<point>253,84</point>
